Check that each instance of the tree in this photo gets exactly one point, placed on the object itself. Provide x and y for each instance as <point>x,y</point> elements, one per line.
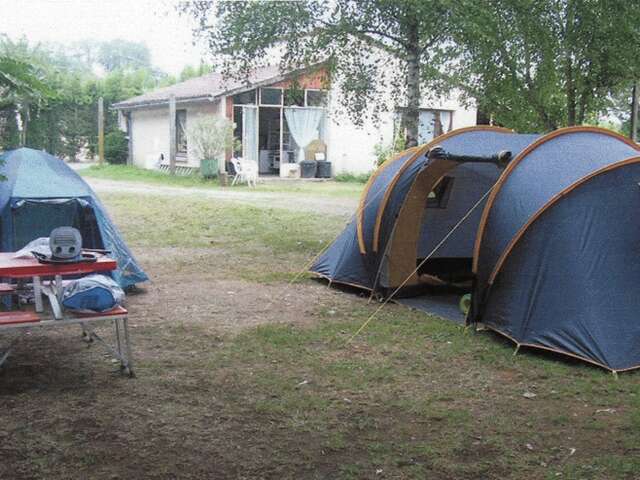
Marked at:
<point>23,89</point>
<point>210,137</point>
<point>376,47</point>
<point>190,71</point>
<point>120,54</point>
<point>540,64</point>
<point>56,101</point>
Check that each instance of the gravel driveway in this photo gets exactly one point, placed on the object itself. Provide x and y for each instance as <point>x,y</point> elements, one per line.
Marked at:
<point>342,206</point>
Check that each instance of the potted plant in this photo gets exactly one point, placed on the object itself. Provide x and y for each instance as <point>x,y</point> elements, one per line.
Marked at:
<point>210,137</point>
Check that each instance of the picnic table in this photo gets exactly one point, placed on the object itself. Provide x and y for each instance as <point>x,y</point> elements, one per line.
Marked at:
<point>47,284</point>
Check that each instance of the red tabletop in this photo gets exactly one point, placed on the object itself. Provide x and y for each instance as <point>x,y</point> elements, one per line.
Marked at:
<point>30,267</point>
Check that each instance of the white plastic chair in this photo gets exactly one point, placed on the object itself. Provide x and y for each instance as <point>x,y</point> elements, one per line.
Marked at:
<point>246,171</point>
<point>251,172</point>
<point>237,166</point>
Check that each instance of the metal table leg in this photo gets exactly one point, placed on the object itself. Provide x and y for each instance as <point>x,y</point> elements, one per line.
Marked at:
<point>37,294</point>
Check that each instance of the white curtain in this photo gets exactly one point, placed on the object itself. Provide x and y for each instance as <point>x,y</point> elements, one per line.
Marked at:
<point>426,126</point>
<point>445,120</point>
<point>303,124</point>
<point>250,133</point>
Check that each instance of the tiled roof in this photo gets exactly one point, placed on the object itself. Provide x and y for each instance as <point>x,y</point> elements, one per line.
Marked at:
<point>207,86</point>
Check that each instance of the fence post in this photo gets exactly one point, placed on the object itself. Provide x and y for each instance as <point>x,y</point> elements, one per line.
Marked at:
<point>100,131</point>
<point>172,135</point>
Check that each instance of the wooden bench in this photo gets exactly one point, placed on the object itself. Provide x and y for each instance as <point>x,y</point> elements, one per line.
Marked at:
<point>21,320</point>
<point>12,318</point>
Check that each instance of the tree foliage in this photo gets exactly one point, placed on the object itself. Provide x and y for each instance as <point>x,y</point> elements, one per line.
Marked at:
<point>51,101</point>
<point>210,136</point>
<point>536,65</point>
<point>377,50</point>
<point>530,64</point>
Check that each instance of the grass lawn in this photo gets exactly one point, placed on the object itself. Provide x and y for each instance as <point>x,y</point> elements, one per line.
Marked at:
<point>241,375</point>
<point>135,174</point>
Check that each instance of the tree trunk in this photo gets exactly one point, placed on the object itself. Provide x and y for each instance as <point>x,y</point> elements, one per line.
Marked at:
<point>634,111</point>
<point>412,113</point>
<point>570,80</point>
<point>571,93</point>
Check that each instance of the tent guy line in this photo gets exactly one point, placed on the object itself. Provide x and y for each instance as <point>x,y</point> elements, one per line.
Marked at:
<point>354,215</point>
<point>442,242</point>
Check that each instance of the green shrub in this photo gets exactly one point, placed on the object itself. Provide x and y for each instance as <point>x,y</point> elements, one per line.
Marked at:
<point>385,152</point>
<point>352,177</point>
<point>116,147</point>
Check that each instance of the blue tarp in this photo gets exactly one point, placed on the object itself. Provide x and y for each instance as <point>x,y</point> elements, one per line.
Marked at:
<point>40,193</point>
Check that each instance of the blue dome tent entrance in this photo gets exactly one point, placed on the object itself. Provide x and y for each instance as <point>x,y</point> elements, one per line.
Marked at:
<point>41,193</point>
<point>550,243</point>
<point>406,209</point>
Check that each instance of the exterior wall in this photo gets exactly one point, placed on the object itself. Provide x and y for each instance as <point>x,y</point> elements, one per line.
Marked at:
<point>150,136</point>
<point>150,133</point>
<point>351,148</point>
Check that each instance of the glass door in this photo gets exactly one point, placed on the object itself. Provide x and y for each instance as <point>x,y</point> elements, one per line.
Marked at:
<point>250,133</point>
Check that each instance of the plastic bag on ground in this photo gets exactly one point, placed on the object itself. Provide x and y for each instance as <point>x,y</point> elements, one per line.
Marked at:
<point>40,245</point>
<point>93,293</point>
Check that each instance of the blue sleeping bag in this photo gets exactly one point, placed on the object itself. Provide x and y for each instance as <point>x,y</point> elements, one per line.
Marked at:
<point>93,293</point>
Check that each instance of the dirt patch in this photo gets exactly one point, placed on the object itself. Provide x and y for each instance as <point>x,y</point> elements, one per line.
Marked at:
<point>196,287</point>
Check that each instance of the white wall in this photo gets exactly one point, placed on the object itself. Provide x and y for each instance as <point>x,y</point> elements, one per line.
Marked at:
<point>150,136</point>
<point>150,133</point>
<point>351,148</point>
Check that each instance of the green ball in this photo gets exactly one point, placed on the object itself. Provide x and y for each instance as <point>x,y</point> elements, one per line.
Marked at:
<point>465,304</point>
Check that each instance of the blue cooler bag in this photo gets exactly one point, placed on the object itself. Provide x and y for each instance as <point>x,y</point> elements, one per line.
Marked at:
<point>93,293</point>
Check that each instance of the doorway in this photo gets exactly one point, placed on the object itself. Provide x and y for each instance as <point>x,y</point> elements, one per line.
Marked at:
<point>269,140</point>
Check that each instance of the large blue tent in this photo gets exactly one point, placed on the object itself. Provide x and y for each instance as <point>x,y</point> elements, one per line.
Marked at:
<point>40,192</point>
<point>551,242</point>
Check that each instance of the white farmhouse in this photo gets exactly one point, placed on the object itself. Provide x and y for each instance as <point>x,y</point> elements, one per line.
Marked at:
<point>277,116</point>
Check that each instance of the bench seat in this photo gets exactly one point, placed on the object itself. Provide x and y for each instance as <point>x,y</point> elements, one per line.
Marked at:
<point>109,313</point>
<point>7,289</point>
<point>11,318</point>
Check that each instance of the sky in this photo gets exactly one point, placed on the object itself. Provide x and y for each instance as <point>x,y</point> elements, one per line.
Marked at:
<point>154,23</point>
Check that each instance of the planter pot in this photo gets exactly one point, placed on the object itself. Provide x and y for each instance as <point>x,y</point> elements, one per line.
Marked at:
<point>209,167</point>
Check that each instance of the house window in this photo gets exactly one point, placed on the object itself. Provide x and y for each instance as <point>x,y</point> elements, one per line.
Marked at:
<point>316,98</point>
<point>271,96</point>
<point>433,123</point>
<point>294,97</point>
<point>439,196</point>
<point>181,131</point>
<point>245,98</point>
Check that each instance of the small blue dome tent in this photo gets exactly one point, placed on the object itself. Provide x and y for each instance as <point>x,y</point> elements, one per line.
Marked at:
<point>409,204</point>
<point>557,250</point>
<point>40,192</point>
